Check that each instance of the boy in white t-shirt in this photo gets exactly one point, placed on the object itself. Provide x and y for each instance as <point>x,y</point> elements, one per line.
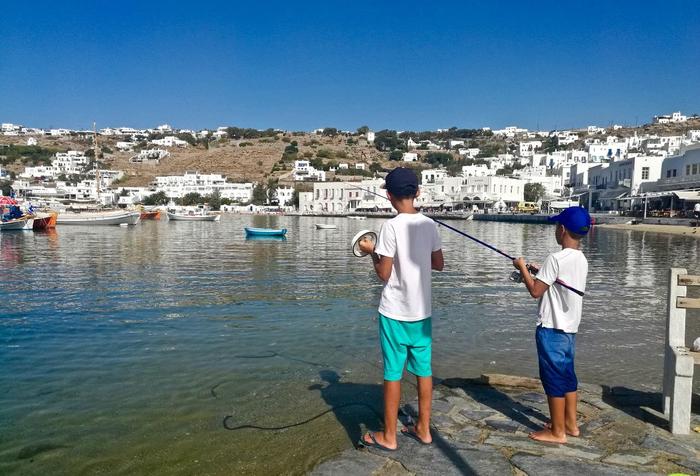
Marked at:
<point>559,286</point>
<point>408,249</point>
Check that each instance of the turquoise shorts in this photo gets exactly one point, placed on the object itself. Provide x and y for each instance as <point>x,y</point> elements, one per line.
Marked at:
<point>406,341</point>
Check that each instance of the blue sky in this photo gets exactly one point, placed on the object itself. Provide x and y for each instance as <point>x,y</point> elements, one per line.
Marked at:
<point>397,65</point>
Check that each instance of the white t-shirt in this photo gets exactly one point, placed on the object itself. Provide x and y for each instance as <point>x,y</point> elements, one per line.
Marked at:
<point>559,307</point>
<point>697,207</point>
<point>410,239</point>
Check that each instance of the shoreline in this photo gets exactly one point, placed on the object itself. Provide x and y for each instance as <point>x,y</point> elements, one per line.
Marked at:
<point>664,229</point>
<point>481,426</point>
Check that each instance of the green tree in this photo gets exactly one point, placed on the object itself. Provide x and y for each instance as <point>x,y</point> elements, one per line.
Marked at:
<point>362,130</point>
<point>259,194</point>
<point>533,192</point>
<point>5,187</point>
<point>395,155</point>
<point>158,198</point>
<point>330,131</point>
<point>215,200</point>
<point>192,198</point>
<point>295,198</point>
<point>437,159</point>
<point>271,191</point>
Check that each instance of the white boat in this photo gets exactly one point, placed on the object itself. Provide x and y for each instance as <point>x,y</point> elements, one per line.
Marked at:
<point>24,223</point>
<point>198,214</point>
<point>356,217</point>
<point>99,218</point>
<point>324,226</point>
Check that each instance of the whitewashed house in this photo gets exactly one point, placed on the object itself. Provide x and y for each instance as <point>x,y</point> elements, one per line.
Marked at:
<point>303,171</point>
<point>409,157</point>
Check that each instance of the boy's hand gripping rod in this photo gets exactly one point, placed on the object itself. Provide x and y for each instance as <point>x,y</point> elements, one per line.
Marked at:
<point>530,268</point>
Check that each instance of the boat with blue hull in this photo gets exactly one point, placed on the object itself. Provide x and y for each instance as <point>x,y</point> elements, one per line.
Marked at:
<point>249,231</point>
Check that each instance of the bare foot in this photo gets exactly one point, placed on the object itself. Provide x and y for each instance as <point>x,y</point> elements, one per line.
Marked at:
<point>575,432</point>
<point>546,436</point>
<point>380,438</point>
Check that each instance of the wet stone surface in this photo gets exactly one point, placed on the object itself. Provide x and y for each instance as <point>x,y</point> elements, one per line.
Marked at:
<point>482,429</point>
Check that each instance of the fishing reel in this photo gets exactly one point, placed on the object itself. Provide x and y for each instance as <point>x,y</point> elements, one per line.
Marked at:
<point>517,277</point>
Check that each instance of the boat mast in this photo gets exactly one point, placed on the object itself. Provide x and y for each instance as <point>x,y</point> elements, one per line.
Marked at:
<point>97,167</point>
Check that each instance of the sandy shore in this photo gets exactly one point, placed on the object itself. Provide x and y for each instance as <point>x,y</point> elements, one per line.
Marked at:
<point>670,229</point>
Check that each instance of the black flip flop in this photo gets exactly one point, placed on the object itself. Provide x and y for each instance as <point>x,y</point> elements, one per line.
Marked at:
<point>374,443</point>
<point>411,433</point>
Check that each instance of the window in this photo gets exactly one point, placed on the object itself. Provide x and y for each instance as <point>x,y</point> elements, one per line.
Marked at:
<point>687,169</point>
<point>645,173</point>
<point>674,172</point>
<point>668,173</point>
<point>695,169</point>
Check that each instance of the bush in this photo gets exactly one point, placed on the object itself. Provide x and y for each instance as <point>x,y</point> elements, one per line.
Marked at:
<point>396,155</point>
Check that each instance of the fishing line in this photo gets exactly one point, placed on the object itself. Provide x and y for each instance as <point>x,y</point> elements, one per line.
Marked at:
<point>226,419</point>
<point>483,243</point>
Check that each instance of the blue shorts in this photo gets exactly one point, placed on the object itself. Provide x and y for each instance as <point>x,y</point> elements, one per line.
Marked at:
<point>405,341</point>
<point>555,352</point>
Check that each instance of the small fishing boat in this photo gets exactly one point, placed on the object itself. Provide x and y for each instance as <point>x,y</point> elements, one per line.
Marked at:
<point>178,216</point>
<point>44,221</point>
<point>150,215</point>
<point>265,231</point>
<point>324,226</point>
<point>24,223</point>
<point>99,218</point>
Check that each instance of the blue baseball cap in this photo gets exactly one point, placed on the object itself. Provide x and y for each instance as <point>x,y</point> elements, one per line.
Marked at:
<point>401,182</point>
<point>575,219</point>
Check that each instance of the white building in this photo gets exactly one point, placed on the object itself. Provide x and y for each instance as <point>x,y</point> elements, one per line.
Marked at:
<point>303,171</point>
<point>150,156</point>
<point>469,152</point>
<point>410,157</point>
<point>595,130</point>
<point>32,141</point>
<point>124,146</point>
<point>346,197</point>
<point>480,170</point>
<point>608,151</point>
<point>170,141</point>
<point>433,176</point>
<point>177,186</point>
<point>528,148</point>
<point>285,195</point>
<point>370,137</point>
<point>493,189</point>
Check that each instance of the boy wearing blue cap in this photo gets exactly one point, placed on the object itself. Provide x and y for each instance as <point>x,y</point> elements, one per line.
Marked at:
<point>408,249</point>
<point>559,286</point>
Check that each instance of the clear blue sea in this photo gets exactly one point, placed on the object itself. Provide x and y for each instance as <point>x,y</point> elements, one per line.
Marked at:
<point>122,350</point>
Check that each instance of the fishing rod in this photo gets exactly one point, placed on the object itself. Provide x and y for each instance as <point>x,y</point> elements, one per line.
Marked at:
<point>515,276</point>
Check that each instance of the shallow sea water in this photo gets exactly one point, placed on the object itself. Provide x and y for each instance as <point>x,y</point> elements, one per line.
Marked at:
<point>131,350</point>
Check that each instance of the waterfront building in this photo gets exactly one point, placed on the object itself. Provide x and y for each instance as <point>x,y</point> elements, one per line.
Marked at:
<point>177,186</point>
<point>345,197</point>
<point>493,189</point>
<point>285,195</point>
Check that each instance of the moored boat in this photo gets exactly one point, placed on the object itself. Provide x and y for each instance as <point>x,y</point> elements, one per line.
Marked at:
<point>193,216</point>
<point>150,215</point>
<point>356,217</point>
<point>325,226</point>
<point>99,218</point>
<point>24,223</point>
<point>250,231</point>
<point>44,221</point>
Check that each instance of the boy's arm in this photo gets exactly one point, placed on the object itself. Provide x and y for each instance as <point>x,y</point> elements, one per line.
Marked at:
<point>535,287</point>
<point>437,261</point>
<point>382,264</point>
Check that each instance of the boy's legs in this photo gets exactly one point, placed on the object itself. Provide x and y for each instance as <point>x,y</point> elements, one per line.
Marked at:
<point>554,433</point>
<point>420,365</point>
<point>392,398</point>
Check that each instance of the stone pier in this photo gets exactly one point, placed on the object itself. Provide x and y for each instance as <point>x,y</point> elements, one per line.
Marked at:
<point>481,426</point>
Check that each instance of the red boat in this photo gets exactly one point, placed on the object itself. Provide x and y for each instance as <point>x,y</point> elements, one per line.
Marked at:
<point>44,221</point>
<point>151,215</point>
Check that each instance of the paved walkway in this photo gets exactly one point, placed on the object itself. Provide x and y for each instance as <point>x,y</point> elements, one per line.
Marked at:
<point>481,428</point>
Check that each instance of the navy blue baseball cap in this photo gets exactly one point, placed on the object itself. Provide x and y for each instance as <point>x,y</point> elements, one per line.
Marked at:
<point>575,219</point>
<point>401,182</point>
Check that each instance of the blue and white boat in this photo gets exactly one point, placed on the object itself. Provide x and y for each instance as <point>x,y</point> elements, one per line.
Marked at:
<point>265,231</point>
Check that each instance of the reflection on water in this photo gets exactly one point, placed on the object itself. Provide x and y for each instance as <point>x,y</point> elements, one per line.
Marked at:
<point>124,348</point>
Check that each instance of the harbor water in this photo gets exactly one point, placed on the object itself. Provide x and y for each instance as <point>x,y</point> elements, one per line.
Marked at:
<point>167,348</point>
